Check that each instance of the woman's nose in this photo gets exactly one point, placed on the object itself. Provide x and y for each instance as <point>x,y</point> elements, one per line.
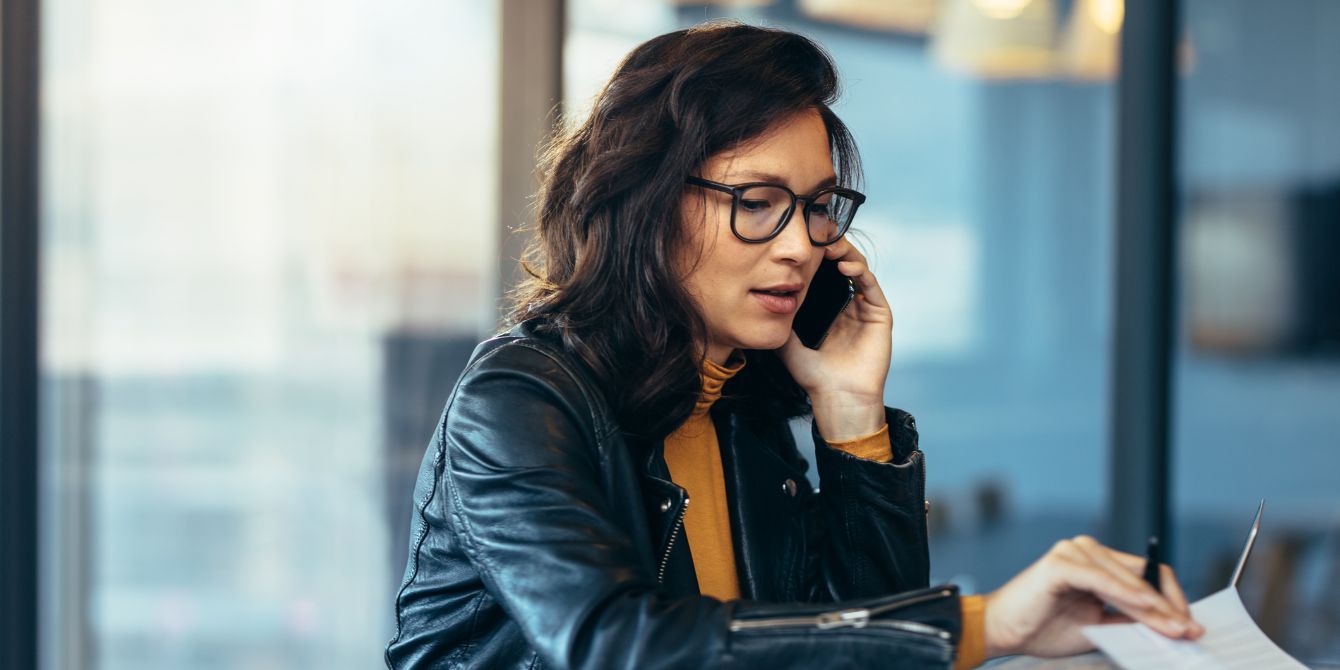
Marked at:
<point>794,240</point>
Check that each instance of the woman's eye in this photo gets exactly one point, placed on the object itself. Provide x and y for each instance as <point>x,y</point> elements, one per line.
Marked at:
<point>755,205</point>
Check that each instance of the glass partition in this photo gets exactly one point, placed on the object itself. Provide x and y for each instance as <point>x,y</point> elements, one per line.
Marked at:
<point>268,235</point>
<point>1258,358</point>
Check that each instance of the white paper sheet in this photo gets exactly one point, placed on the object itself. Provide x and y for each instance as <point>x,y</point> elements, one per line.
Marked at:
<point>1232,641</point>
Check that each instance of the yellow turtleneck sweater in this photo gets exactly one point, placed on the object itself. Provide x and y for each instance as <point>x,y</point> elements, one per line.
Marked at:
<point>694,457</point>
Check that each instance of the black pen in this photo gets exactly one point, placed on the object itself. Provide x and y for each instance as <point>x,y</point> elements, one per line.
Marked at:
<point>1152,563</point>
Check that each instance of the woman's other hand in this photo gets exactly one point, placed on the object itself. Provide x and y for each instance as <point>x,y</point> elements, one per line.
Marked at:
<point>845,376</point>
<point>1041,611</point>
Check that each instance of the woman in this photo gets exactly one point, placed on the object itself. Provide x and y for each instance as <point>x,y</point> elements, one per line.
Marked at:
<point>653,363</point>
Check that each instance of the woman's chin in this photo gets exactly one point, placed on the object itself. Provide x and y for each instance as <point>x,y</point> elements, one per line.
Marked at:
<point>764,341</point>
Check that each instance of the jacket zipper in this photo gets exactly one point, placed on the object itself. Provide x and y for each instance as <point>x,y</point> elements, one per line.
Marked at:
<point>922,494</point>
<point>669,546</point>
<point>854,618</point>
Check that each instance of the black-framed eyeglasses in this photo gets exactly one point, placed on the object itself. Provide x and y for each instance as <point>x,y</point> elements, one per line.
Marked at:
<point>760,210</point>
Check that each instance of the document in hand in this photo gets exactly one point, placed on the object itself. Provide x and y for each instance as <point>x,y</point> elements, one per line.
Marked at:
<point>1232,641</point>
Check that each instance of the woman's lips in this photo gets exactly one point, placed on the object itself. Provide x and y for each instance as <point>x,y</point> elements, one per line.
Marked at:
<point>778,304</point>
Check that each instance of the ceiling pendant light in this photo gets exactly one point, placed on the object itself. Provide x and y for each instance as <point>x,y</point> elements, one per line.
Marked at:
<point>997,39</point>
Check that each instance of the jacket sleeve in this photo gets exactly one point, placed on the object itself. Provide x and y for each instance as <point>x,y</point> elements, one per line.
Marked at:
<point>521,485</point>
<point>866,524</point>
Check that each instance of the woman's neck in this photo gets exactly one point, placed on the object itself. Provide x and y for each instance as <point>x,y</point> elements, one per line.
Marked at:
<point>719,353</point>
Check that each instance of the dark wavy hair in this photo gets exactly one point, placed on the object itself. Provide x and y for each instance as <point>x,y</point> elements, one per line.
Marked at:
<point>602,267</point>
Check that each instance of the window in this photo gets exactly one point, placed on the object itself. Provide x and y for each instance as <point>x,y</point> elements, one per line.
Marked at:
<point>268,229</point>
<point>1257,371</point>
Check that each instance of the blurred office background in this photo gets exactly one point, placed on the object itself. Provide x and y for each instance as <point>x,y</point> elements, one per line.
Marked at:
<point>271,233</point>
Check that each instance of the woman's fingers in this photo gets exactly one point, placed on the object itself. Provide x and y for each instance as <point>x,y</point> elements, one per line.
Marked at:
<point>1041,610</point>
<point>1140,604</point>
<point>1172,590</point>
<point>1103,557</point>
<point>843,249</point>
<point>866,284</point>
<point>853,264</point>
<point>1093,568</point>
<point>1082,572</point>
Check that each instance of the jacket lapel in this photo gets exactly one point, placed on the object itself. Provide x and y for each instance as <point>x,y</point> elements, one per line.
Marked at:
<point>664,503</point>
<point>765,495</point>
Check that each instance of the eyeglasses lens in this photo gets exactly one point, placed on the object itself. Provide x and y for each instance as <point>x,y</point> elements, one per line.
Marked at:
<point>830,216</point>
<point>761,209</point>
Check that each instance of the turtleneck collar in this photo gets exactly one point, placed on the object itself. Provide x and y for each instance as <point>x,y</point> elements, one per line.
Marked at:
<point>715,377</point>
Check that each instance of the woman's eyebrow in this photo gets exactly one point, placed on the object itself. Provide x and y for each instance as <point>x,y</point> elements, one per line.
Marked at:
<point>759,175</point>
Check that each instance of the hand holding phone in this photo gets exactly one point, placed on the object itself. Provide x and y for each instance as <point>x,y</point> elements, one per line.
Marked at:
<point>844,311</point>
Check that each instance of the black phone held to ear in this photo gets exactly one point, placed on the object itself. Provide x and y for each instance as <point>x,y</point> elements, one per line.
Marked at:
<point>830,292</point>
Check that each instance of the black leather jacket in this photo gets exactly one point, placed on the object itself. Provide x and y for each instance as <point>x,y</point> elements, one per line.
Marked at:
<point>542,537</point>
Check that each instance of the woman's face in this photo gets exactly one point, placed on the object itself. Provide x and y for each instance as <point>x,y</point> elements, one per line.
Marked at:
<point>732,279</point>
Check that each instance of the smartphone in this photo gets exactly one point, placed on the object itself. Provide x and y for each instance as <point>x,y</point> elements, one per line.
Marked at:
<point>830,293</point>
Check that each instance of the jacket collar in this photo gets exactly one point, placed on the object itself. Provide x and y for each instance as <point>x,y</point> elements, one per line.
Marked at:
<point>760,483</point>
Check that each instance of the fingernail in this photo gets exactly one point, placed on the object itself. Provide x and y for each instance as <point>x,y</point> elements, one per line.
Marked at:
<point>1177,626</point>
